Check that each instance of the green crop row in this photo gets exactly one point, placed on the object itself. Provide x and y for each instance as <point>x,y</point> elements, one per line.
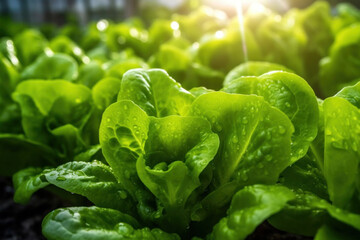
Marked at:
<point>188,129</point>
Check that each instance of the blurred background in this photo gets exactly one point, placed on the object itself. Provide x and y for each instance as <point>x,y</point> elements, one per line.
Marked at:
<point>59,12</point>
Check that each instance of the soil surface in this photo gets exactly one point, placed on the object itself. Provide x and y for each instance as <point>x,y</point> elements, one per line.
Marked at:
<point>267,232</point>
<point>23,222</point>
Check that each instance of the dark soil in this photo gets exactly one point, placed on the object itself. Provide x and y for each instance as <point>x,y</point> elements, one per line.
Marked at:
<point>19,222</point>
<point>23,222</point>
<point>266,232</point>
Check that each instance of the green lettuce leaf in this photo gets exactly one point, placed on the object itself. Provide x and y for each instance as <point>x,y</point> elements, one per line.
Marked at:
<point>105,92</point>
<point>155,92</point>
<point>119,68</point>
<point>327,232</point>
<point>306,175</point>
<point>125,35</point>
<point>30,44</point>
<point>9,78</point>
<point>52,66</point>
<point>96,223</point>
<point>90,74</point>
<point>54,112</point>
<point>224,50</point>
<point>63,44</point>
<point>351,93</point>
<point>317,146</point>
<point>342,146</point>
<point>254,147</point>
<point>253,136</point>
<point>303,215</point>
<point>8,50</point>
<point>17,152</point>
<point>293,96</point>
<point>280,39</point>
<point>341,67</point>
<point>204,20</point>
<point>307,213</point>
<point>249,208</point>
<point>167,155</point>
<point>253,68</point>
<point>93,180</point>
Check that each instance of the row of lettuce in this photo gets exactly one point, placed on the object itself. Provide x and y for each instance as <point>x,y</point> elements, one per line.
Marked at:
<point>175,160</point>
<point>160,159</point>
<point>199,49</point>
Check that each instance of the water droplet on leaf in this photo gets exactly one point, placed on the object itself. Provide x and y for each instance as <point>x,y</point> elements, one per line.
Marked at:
<point>282,130</point>
<point>60,178</point>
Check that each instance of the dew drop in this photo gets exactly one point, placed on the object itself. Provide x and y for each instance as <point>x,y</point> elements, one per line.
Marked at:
<point>60,178</point>
<point>328,132</point>
<point>282,130</point>
<point>218,127</point>
<point>122,194</point>
<point>354,146</point>
<point>245,120</point>
<point>301,151</point>
<point>157,215</point>
<point>124,229</point>
<point>268,135</point>
<point>336,145</point>
<point>213,119</point>
<point>243,132</point>
<point>127,174</point>
<point>244,176</point>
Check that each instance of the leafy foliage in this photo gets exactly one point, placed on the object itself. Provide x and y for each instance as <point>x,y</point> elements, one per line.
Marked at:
<point>190,128</point>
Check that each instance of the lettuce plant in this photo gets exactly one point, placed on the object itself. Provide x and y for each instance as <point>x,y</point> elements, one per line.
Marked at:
<point>29,45</point>
<point>211,155</point>
<point>292,95</point>
<point>333,77</point>
<point>8,50</point>
<point>328,174</point>
<point>176,161</point>
<point>52,66</point>
<point>53,115</point>
<point>169,154</point>
<point>62,44</point>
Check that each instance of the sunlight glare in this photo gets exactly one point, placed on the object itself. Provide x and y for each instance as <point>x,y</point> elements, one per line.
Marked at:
<point>239,11</point>
<point>219,34</point>
<point>256,8</point>
<point>102,25</point>
<point>174,25</point>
